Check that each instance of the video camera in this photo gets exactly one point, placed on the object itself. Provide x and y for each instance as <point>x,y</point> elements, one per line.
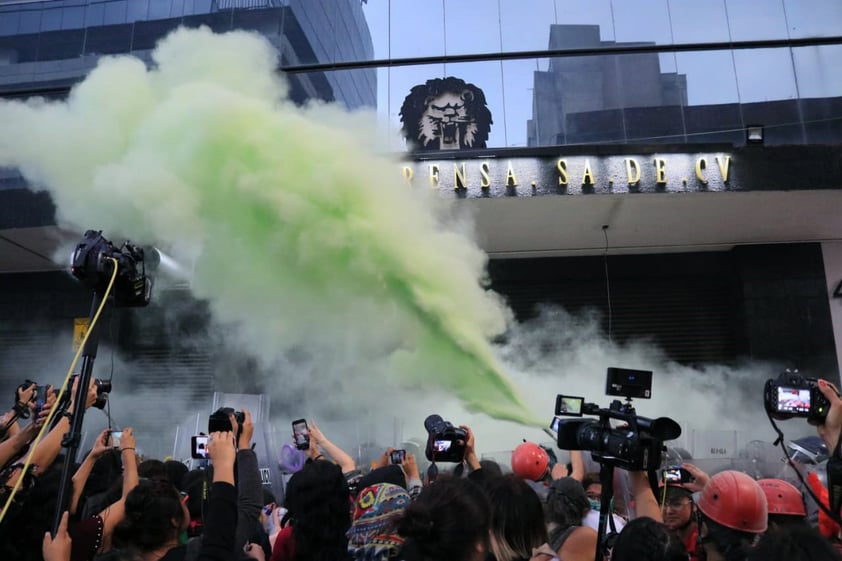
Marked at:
<point>792,395</point>
<point>445,443</point>
<point>635,446</point>
<point>92,266</point>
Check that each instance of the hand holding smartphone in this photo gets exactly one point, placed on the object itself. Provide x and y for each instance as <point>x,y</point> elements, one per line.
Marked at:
<point>115,437</point>
<point>199,447</point>
<point>397,457</point>
<point>301,434</point>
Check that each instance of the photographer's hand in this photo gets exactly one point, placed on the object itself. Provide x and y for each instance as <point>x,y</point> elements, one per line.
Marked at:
<point>385,459</point>
<point>410,467</point>
<point>700,478</point>
<point>223,454</point>
<point>830,429</point>
<point>244,442</point>
<point>470,449</point>
<point>335,452</point>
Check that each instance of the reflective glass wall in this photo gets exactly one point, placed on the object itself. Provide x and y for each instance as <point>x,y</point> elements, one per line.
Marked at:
<point>552,71</point>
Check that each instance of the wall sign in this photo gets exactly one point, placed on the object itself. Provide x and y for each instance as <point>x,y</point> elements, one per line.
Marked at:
<point>445,114</point>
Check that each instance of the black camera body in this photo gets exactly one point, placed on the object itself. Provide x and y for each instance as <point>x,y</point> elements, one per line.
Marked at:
<point>793,395</point>
<point>445,443</point>
<point>219,421</point>
<point>637,444</point>
<point>91,264</point>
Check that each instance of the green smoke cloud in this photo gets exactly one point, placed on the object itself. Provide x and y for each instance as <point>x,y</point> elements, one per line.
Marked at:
<point>301,234</point>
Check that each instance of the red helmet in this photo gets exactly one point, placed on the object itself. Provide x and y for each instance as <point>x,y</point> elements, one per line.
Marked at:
<point>783,497</point>
<point>734,500</point>
<point>530,461</point>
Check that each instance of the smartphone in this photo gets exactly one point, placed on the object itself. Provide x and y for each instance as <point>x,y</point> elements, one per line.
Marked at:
<point>569,405</point>
<point>116,437</point>
<point>301,434</point>
<point>677,474</point>
<point>40,398</point>
<point>199,447</point>
<point>397,456</point>
<point>554,424</point>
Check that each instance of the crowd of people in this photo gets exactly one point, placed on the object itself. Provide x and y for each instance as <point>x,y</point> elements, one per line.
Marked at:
<point>121,507</point>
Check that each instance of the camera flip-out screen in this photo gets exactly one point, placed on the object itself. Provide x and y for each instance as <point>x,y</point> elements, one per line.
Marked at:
<point>793,400</point>
<point>568,405</point>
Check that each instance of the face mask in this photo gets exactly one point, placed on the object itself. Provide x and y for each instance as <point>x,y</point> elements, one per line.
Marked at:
<point>594,504</point>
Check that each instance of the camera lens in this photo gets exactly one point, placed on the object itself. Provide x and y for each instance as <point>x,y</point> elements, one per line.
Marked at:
<point>102,386</point>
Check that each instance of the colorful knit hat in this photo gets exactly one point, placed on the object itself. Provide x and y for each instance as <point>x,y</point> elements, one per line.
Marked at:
<point>373,535</point>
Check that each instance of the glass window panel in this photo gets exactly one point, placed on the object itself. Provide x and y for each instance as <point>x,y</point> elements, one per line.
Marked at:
<point>116,12</point>
<point>416,29</point>
<point>304,31</point>
<point>9,22</point>
<point>646,21</point>
<point>94,15</point>
<point>698,22</point>
<point>526,24</point>
<point>23,47</point>
<point>354,89</point>
<point>377,18</point>
<point>138,10</point>
<point>266,22</point>
<point>781,120</point>
<point>58,45</point>
<point>765,74</point>
<point>177,8</point>
<point>813,18</point>
<point>73,18</point>
<point>752,20</point>
<point>30,22</point>
<point>471,27</point>
<point>586,12</point>
<point>108,39</point>
<point>518,90</point>
<point>201,6</point>
<point>818,70</point>
<point>50,19</point>
<point>715,123</point>
<point>710,77</point>
<point>219,22</point>
<point>159,9</point>
<point>148,33</point>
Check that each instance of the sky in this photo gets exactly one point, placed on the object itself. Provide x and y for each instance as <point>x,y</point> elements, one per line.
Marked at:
<point>402,28</point>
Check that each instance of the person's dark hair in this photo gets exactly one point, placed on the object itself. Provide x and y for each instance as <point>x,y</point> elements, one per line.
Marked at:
<point>517,518</point>
<point>644,539</point>
<point>567,503</point>
<point>794,543</point>
<point>175,472</point>
<point>152,469</point>
<point>589,479</point>
<point>778,521</point>
<point>318,502</point>
<point>150,510</point>
<point>491,468</point>
<point>447,521</point>
<point>734,545</point>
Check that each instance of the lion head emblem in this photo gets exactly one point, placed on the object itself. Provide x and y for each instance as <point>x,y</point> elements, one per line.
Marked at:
<point>445,114</point>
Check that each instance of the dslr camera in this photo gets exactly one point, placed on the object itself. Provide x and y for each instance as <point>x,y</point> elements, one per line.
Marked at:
<point>636,445</point>
<point>445,442</point>
<point>219,421</point>
<point>792,395</point>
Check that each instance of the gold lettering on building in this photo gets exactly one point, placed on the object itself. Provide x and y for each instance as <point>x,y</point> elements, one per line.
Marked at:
<point>459,175</point>
<point>724,167</point>
<point>632,171</point>
<point>701,164</point>
<point>408,174</point>
<point>511,180</point>
<point>434,176</point>
<point>660,171</point>
<point>587,177</point>
<point>561,166</point>
<point>485,178</point>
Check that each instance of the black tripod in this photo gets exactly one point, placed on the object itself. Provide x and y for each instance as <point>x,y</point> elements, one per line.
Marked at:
<point>73,438</point>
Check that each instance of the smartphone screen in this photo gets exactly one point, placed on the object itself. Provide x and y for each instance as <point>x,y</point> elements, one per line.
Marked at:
<point>116,438</point>
<point>301,434</point>
<point>398,456</point>
<point>672,474</point>
<point>554,424</point>
<point>40,398</point>
<point>199,447</point>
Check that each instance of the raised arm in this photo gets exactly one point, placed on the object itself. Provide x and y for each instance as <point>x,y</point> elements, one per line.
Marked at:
<point>336,453</point>
<point>645,503</point>
<point>249,484</point>
<point>220,522</point>
<point>85,468</point>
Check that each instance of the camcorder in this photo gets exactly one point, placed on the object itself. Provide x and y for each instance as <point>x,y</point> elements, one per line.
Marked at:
<point>792,395</point>
<point>636,445</point>
<point>445,442</point>
<point>91,264</point>
<point>219,421</point>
